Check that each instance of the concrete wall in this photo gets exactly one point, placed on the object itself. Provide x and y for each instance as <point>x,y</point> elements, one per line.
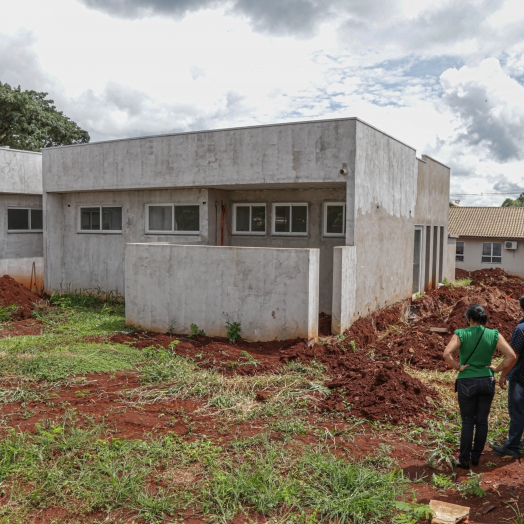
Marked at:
<point>449,271</point>
<point>21,269</point>
<point>314,239</point>
<point>512,261</point>
<point>20,172</point>
<point>19,245</point>
<point>385,197</point>
<point>344,288</point>
<point>296,153</point>
<point>432,212</point>
<point>273,293</point>
<point>94,259</point>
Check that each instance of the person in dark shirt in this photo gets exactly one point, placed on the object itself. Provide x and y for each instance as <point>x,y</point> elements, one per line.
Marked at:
<point>515,395</point>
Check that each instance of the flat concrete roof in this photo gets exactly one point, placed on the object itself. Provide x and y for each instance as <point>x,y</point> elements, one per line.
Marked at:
<point>300,122</point>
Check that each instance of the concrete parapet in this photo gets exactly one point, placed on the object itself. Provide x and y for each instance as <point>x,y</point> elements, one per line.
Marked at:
<point>272,292</point>
<point>21,269</point>
<point>344,288</point>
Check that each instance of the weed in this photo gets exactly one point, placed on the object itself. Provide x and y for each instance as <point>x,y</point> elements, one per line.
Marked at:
<point>419,295</point>
<point>353,345</point>
<point>7,313</point>
<point>471,486</point>
<point>444,482</point>
<point>341,337</point>
<point>250,360</point>
<point>233,331</point>
<point>196,331</point>
<point>519,517</point>
<point>412,513</point>
<point>172,327</point>
<point>463,282</point>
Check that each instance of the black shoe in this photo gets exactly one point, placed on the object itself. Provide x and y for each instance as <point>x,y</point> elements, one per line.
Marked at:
<point>503,451</point>
<point>458,464</point>
<point>474,462</point>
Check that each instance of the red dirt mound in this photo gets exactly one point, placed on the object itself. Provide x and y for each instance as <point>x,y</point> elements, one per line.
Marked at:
<point>13,293</point>
<point>364,387</point>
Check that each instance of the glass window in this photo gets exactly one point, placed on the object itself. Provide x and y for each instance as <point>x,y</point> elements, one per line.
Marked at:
<point>18,219</point>
<point>173,218</point>
<point>187,218</point>
<point>492,252</point>
<point>249,219</point>
<point>160,218</point>
<point>290,219</point>
<point>37,221</point>
<point>334,219</point>
<point>112,218</point>
<point>101,218</point>
<point>459,252</point>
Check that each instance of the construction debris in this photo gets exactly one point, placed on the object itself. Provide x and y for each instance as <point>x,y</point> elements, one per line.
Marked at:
<point>446,513</point>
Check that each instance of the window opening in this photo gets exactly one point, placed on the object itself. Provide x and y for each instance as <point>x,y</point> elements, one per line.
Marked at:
<point>459,252</point>
<point>492,252</point>
<point>334,219</point>
<point>290,219</point>
<point>101,218</point>
<point>24,219</point>
<point>173,219</point>
<point>249,219</point>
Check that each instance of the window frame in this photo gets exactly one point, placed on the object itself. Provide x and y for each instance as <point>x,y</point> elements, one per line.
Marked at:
<point>172,232</point>
<point>491,256</point>
<point>28,209</point>
<point>463,249</point>
<point>250,205</point>
<point>97,231</point>
<point>324,228</point>
<point>291,204</point>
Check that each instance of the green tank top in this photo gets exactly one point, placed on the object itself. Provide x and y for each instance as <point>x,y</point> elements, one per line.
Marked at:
<point>483,354</point>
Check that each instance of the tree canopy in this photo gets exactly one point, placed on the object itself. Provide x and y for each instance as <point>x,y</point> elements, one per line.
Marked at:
<point>30,121</point>
<point>518,202</point>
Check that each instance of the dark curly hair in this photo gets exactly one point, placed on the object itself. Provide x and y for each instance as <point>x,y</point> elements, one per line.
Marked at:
<point>476,313</point>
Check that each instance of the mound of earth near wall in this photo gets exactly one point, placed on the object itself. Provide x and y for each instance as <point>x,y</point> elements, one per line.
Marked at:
<point>15,294</point>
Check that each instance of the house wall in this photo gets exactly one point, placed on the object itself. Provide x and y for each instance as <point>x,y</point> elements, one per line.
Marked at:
<point>27,271</point>
<point>90,260</point>
<point>19,245</point>
<point>273,293</point>
<point>432,212</point>
<point>512,261</point>
<point>385,195</point>
<point>296,153</point>
<point>20,172</point>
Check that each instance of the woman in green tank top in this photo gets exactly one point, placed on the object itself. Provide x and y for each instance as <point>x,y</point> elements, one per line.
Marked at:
<point>475,384</point>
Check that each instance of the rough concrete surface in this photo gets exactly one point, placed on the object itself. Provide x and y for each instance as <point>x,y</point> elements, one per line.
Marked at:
<point>272,292</point>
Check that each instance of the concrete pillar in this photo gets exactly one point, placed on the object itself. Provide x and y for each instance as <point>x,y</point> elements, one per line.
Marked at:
<point>344,288</point>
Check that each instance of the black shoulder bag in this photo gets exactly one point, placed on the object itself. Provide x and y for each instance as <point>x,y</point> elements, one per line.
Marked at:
<point>470,355</point>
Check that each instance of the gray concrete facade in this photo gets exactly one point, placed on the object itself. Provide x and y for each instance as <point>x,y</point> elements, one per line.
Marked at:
<point>272,293</point>
<point>21,191</point>
<point>343,161</point>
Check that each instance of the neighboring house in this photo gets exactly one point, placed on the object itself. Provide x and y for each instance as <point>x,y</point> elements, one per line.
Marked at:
<point>488,237</point>
<point>21,222</point>
<point>375,214</point>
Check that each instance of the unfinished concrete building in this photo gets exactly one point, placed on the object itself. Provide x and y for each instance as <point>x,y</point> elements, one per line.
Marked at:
<point>21,222</point>
<point>362,206</point>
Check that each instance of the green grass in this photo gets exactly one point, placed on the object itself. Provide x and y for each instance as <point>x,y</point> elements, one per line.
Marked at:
<point>7,313</point>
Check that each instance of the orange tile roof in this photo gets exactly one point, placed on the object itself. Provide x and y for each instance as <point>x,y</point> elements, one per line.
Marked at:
<point>495,222</point>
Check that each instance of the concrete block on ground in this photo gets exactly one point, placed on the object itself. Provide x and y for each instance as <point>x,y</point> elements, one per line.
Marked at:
<point>446,513</point>
<point>21,270</point>
<point>272,292</point>
<point>344,288</point>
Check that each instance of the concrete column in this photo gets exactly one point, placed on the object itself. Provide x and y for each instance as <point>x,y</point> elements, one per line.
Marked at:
<point>344,288</point>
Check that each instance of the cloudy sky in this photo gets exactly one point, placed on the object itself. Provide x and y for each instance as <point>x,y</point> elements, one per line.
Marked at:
<point>445,77</point>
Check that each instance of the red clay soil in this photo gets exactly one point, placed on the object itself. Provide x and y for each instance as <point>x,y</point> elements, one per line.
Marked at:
<point>13,293</point>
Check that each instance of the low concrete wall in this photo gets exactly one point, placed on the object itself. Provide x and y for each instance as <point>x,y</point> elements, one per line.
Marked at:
<point>21,269</point>
<point>272,292</point>
<point>344,288</point>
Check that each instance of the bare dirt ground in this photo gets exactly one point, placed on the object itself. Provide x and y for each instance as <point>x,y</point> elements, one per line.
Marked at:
<point>375,376</point>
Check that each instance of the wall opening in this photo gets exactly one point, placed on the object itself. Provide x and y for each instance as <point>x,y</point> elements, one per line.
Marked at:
<point>441,254</point>
<point>427,258</point>
<point>434,258</point>
<point>417,252</point>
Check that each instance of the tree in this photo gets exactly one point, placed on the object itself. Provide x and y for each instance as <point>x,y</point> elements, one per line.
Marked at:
<point>30,121</point>
<point>518,202</point>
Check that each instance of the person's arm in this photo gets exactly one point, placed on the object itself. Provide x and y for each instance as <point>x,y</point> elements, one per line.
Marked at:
<point>509,360</point>
<point>453,346</point>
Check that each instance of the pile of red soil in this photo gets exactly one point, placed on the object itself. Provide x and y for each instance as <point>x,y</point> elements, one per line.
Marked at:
<point>13,293</point>
<point>364,387</point>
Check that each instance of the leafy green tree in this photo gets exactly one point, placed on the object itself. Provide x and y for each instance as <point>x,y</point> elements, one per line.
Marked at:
<point>30,121</point>
<point>518,202</point>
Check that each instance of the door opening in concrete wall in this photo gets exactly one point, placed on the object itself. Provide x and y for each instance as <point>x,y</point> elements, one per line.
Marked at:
<point>434,257</point>
<point>441,254</point>
<point>427,258</point>
<point>416,259</point>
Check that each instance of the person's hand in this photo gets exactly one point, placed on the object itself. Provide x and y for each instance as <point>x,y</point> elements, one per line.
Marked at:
<point>502,382</point>
<point>493,368</point>
<point>462,368</point>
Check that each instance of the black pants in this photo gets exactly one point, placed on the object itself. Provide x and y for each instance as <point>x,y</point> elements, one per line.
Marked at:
<point>474,397</point>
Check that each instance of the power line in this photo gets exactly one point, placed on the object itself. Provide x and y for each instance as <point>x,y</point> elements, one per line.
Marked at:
<point>486,194</point>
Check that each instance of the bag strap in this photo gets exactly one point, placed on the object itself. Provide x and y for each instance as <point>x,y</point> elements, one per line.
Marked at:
<point>471,354</point>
